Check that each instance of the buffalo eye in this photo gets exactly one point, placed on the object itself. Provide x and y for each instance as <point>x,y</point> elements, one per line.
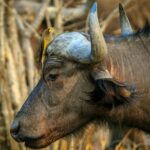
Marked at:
<point>52,77</point>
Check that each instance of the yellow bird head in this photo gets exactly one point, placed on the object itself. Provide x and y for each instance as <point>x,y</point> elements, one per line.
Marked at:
<point>47,37</point>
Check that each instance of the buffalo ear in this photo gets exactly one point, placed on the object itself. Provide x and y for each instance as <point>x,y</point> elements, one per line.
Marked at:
<point>110,92</point>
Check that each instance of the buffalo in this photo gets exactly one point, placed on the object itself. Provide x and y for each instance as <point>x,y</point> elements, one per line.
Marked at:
<point>88,77</point>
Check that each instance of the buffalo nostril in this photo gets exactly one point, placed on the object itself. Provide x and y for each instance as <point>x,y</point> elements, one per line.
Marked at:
<point>15,128</point>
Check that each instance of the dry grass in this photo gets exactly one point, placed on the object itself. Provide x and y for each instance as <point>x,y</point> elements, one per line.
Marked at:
<point>17,57</point>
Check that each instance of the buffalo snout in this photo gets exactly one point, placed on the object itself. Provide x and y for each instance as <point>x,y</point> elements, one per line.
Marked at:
<point>15,127</point>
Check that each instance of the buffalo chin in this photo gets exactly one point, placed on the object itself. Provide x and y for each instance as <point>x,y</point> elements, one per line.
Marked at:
<point>39,143</point>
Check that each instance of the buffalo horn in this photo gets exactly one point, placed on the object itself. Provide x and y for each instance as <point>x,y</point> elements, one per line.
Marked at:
<point>98,44</point>
<point>126,28</point>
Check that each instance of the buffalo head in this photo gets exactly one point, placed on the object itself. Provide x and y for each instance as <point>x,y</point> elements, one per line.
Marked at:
<point>75,83</point>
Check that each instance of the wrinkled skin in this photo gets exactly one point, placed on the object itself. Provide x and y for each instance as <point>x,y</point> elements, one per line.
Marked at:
<point>54,108</point>
<point>61,101</point>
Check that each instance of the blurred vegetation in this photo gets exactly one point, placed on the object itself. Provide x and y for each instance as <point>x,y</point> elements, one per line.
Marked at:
<point>21,25</point>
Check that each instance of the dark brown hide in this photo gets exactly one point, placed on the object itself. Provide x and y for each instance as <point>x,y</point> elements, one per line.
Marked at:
<point>55,107</point>
<point>61,102</point>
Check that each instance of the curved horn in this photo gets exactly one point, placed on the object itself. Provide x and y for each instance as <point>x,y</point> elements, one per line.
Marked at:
<point>99,47</point>
<point>126,28</point>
